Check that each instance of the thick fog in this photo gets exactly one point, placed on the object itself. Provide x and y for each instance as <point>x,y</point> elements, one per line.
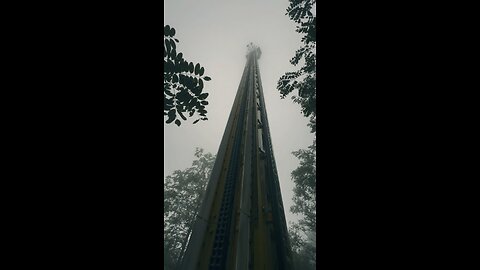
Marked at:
<point>215,34</point>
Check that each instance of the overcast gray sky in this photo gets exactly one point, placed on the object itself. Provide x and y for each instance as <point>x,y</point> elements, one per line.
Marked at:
<point>215,33</point>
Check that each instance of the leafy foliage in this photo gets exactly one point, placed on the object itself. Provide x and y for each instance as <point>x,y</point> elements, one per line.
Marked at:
<point>183,83</point>
<point>303,248</point>
<point>183,193</point>
<point>304,191</point>
<point>304,79</point>
<point>304,200</point>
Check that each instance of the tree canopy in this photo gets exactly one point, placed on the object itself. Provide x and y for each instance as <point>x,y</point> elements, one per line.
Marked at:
<point>304,191</point>
<point>303,248</point>
<point>183,83</point>
<point>183,194</point>
<point>304,79</point>
<point>304,203</point>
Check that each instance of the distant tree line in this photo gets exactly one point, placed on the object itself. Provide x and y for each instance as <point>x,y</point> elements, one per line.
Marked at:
<point>183,193</point>
<point>304,203</point>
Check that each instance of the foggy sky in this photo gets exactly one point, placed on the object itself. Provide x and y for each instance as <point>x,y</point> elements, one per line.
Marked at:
<point>215,34</point>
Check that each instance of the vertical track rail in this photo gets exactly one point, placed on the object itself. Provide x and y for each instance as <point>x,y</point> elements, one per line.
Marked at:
<point>226,215</point>
<point>279,231</point>
<point>241,223</point>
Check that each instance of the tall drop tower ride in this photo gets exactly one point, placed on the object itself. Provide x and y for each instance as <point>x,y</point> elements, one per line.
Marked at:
<point>241,222</point>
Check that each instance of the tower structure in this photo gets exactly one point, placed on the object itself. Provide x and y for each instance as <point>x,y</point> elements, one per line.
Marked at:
<point>241,222</point>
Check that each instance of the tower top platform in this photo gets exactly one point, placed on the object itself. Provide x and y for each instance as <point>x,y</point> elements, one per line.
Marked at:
<point>253,49</point>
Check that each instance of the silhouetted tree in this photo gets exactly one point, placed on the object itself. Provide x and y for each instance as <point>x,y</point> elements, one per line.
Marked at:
<point>182,83</point>
<point>304,197</point>
<point>304,177</point>
<point>304,203</point>
<point>183,193</point>
<point>303,248</point>
<point>304,79</point>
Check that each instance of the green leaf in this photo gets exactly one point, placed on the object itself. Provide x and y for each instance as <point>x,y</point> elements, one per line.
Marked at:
<point>172,32</point>
<point>192,112</point>
<point>169,46</point>
<point>189,83</point>
<point>170,66</point>
<point>204,102</point>
<point>166,106</point>
<point>200,84</point>
<point>202,70</point>
<point>190,67</point>
<point>203,96</point>
<point>177,122</point>
<point>185,66</point>
<point>196,90</point>
<point>206,78</point>
<point>175,78</point>
<point>196,121</point>
<point>181,115</point>
<point>171,116</point>
<point>189,105</point>
<point>183,96</point>
<point>166,30</point>
<point>197,68</point>
<point>168,93</point>
<point>182,79</point>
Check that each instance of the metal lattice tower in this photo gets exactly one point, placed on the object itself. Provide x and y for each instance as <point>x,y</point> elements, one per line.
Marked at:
<point>241,223</point>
